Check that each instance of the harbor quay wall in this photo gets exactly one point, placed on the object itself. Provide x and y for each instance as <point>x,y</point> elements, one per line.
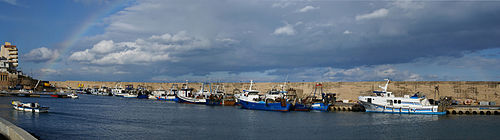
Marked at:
<point>13,132</point>
<point>458,90</point>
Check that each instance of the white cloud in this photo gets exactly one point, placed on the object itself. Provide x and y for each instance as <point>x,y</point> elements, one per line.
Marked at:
<point>48,71</point>
<point>142,51</point>
<point>364,73</point>
<point>282,4</point>
<point>42,54</point>
<point>408,4</point>
<point>285,30</point>
<point>347,32</point>
<point>12,2</point>
<point>375,14</point>
<point>307,8</point>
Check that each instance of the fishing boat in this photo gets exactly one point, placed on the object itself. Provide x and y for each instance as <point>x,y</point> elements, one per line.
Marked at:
<point>229,100</point>
<point>29,107</point>
<point>94,91</point>
<point>216,96</point>
<point>156,93</point>
<point>170,95</point>
<point>386,102</point>
<point>313,103</point>
<point>142,93</point>
<point>73,95</point>
<point>272,101</point>
<point>118,91</point>
<point>186,95</point>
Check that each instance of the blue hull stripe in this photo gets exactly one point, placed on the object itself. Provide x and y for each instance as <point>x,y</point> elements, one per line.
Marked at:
<point>162,99</point>
<point>263,106</point>
<point>430,113</point>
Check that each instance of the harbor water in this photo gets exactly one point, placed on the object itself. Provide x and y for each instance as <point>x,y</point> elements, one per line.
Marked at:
<point>106,117</point>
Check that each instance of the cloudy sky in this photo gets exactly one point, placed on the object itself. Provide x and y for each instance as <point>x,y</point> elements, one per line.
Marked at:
<point>262,40</point>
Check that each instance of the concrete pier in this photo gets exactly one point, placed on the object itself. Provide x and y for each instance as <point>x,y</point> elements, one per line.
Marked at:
<point>346,107</point>
<point>13,132</point>
<point>474,110</point>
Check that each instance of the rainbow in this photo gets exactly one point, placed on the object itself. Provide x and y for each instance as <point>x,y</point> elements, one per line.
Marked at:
<point>80,31</point>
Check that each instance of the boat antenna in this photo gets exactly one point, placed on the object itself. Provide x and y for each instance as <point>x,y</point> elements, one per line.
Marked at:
<point>386,84</point>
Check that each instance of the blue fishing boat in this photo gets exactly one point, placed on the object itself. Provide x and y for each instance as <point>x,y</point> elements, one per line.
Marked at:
<point>168,96</point>
<point>313,103</point>
<point>216,96</point>
<point>272,101</point>
<point>142,93</point>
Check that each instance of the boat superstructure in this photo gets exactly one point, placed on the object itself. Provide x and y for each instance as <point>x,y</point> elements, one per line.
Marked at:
<point>386,102</point>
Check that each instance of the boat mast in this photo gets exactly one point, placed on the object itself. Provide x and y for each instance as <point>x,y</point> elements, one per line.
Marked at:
<point>251,84</point>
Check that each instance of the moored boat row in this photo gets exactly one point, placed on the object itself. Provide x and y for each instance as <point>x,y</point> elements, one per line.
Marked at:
<point>279,98</point>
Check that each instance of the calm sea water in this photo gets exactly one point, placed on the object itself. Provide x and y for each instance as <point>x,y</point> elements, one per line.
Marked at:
<point>104,117</point>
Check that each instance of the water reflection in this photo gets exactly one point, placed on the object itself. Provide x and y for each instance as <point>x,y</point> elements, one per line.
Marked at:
<point>387,118</point>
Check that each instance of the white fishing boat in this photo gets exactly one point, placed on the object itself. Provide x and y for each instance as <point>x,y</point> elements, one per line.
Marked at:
<point>156,93</point>
<point>94,91</point>
<point>118,91</point>
<point>186,95</point>
<point>73,96</point>
<point>29,107</point>
<point>386,102</point>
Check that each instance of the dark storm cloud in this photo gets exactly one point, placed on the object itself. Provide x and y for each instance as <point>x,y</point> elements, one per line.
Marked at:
<point>248,36</point>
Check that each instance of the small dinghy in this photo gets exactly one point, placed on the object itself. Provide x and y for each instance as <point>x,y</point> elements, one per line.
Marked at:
<point>29,107</point>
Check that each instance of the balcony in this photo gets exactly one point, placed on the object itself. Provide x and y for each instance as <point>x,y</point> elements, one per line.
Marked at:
<point>12,52</point>
<point>13,56</point>
<point>12,49</point>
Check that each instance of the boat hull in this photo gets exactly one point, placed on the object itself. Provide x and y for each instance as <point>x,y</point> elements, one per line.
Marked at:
<point>319,107</point>
<point>407,110</point>
<point>213,102</point>
<point>228,102</point>
<point>301,107</point>
<point>142,96</point>
<point>29,109</point>
<point>264,106</point>
<point>130,96</point>
<point>189,100</point>
<point>167,99</point>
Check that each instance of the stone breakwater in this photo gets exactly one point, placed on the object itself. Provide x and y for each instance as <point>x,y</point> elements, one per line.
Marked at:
<point>13,132</point>
<point>474,90</point>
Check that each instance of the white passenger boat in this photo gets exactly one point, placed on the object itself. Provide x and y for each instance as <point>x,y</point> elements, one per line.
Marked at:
<point>385,102</point>
<point>29,107</point>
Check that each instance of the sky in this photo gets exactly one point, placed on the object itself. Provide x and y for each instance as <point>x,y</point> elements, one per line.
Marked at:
<point>260,40</point>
